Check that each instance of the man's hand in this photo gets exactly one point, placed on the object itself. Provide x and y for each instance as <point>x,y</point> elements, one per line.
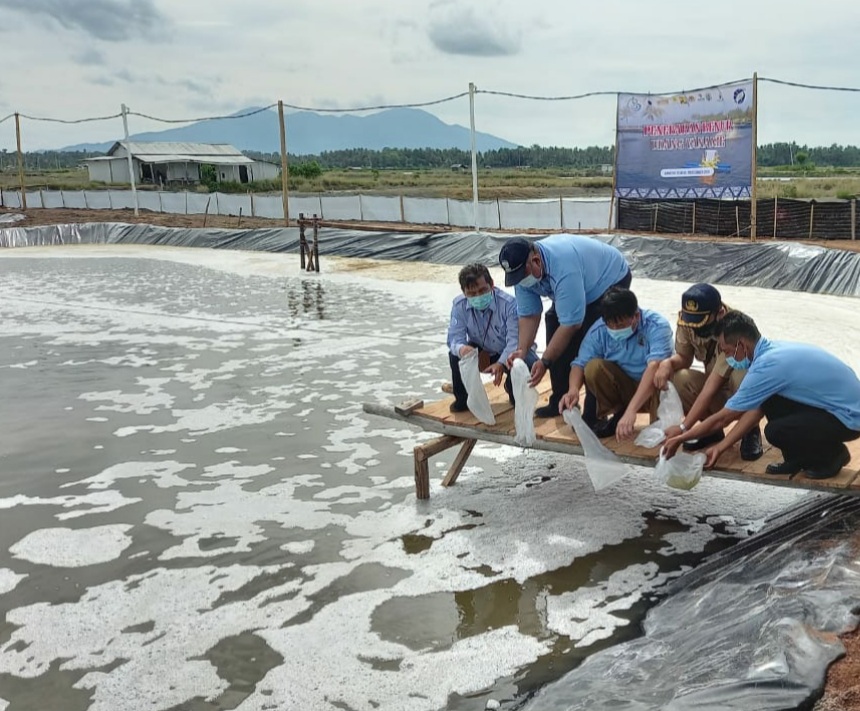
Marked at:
<point>498,372</point>
<point>465,350</point>
<point>568,401</point>
<point>538,370</point>
<point>513,356</point>
<point>670,446</point>
<point>712,454</point>
<point>624,429</point>
<point>663,375</point>
<point>673,431</point>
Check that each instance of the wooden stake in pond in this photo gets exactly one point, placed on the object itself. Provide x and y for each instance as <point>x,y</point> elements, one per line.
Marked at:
<point>20,162</point>
<point>811,217</point>
<point>206,212</point>
<point>285,170</point>
<point>239,223</point>
<point>775,214</point>
<point>303,242</point>
<point>316,244</point>
<point>737,221</point>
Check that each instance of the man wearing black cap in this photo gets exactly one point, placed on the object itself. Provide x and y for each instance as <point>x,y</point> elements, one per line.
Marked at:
<point>703,393</point>
<point>574,272</point>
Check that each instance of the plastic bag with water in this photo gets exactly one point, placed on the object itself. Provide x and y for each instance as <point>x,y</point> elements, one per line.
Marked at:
<point>603,467</point>
<point>526,398</point>
<point>670,413</point>
<point>477,401</point>
<point>683,471</point>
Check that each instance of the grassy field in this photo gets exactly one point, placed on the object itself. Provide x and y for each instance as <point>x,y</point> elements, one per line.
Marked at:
<point>500,183</point>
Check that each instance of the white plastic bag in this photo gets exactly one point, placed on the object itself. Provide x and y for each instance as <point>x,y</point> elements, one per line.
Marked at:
<point>526,398</point>
<point>603,467</point>
<point>683,471</point>
<point>477,400</point>
<point>670,413</point>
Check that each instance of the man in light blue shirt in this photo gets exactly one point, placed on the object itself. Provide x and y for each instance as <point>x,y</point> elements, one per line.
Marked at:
<point>617,361</point>
<point>574,272</point>
<point>811,400</point>
<point>485,318</point>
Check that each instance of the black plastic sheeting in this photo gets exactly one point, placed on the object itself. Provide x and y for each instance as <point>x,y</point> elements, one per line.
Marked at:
<point>752,628</point>
<point>783,218</point>
<point>775,265</point>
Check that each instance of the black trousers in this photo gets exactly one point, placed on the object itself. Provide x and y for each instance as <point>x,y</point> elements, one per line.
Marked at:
<point>460,394</point>
<point>559,373</point>
<point>808,436</point>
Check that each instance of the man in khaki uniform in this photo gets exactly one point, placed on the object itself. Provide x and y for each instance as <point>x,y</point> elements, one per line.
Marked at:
<point>703,393</point>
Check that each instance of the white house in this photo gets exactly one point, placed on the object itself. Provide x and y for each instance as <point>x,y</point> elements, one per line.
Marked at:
<point>161,163</point>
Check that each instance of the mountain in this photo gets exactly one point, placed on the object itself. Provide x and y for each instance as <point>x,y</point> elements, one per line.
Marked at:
<point>310,133</point>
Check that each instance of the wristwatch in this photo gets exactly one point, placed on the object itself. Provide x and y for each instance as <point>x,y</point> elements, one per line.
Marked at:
<point>682,427</point>
<point>546,361</point>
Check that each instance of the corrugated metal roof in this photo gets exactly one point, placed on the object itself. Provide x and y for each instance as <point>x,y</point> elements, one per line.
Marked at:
<point>139,148</point>
<point>184,158</point>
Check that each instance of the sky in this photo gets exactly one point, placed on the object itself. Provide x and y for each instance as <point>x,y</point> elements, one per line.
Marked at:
<point>74,59</point>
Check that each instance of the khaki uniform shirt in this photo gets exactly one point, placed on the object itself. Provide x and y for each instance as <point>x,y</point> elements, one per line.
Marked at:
<point>689,344</point>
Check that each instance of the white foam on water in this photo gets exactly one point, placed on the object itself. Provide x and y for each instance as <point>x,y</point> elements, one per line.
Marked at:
<point>299,547</point>
<point>151,400</point>
<point>163,474</point>
<point>82,505</point>
<point>229,450</point>
<point>73,547</point>
<point>9,580</point>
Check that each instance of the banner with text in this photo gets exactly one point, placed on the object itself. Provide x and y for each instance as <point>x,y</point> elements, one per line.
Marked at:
<point>695,144</point>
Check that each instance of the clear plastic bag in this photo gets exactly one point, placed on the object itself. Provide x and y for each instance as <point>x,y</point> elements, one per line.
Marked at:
<point>683,471</point>
<point>604,468</point>
<point>526,398</point>
<point>477,400</point>
<point>670,413</point>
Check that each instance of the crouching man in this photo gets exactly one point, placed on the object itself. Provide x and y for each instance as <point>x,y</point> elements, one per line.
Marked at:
<point>811,400</point>
<point>483,318</point>
<point>617,361</point>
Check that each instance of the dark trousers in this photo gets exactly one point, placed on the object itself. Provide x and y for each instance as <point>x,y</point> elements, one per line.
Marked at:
<point>808,436</point>
<point>559,373</point>
<point>460,394</point>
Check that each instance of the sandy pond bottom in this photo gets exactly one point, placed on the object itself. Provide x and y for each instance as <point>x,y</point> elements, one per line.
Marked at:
<point>196,514</point>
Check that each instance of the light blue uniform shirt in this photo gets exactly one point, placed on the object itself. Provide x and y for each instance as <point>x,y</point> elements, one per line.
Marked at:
<point>577,271</point>
<point>495,329</point>
<point>652,340</point>
<point>801,372</point>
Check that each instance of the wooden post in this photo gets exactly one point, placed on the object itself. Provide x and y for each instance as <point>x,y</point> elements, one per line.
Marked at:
<point>160,203</point>
<point>206,212</point>
<point>20,162</point>
<point>459,461</point>
<point>656,208</point>
<point>303,243</point>
<point>754,197</point>
<point>402,211</point>
<point>316,244</point>
<point>285,171</point>
<point>251,196</point>
<point>422,475</point>
<point>499,212</point>
<point>239,223</point>
<point>811,217</point>
<point>561,212</point>
<point>360,209</point>
<point>775,213</point>
<point>694,217</point>
<point>422,454</point>
<point>854,218</point>
<point>737,221</point>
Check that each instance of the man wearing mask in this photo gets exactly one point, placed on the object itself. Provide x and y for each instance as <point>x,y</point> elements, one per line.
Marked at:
<point>703,393</point>
<point>575,272</point>
<point>482,318</point>
<point>617,361</point>
<point>811,400</point>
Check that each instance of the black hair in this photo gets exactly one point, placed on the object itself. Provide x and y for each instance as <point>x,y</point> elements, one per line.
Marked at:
<point>618,303</point>
<point>736,325</point>
<point>472,273</point>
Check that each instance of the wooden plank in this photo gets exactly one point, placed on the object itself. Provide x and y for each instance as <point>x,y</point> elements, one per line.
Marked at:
<point>407,407</point>
<point>425,450</point>
<point>422,476</point>
<point>460,460</point>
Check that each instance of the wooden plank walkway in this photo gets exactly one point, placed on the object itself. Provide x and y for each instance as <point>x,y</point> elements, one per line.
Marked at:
<point>555,435</point>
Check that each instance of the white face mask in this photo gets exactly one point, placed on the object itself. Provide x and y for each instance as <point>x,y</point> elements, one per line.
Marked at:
<point>528,280</point>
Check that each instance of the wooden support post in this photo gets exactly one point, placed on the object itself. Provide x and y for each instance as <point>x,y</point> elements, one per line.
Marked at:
<point>459,461</point>
<point>316,244</point>
<point>303,242</point>
<point>811,217</point>
<point>251,195</point>
<point>737,221</point>
<point>561,212</point>
<point>694,218</point>
<point>656,209</point>
<point>775,213</point>
<point>285,170</point>
<point>402,211</point>
<point>854,218</point>
<point>206,212</point>
<point>422,454</point>
<point>239,223</point>
<point>23,200</point>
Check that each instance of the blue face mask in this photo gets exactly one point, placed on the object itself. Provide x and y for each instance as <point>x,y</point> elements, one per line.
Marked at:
<point>528,280</point>
<point>482,301</point>
<point>736,364</point>
<point>620,334</point>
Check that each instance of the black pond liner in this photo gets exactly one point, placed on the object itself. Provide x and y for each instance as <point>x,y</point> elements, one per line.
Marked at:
<point>772,265</point>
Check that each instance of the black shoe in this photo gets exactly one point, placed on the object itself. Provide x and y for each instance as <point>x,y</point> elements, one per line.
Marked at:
<point>831,468</point>
<point>751,445</point>
<point>458,406</point>
<point>606,428</point>
<point>548,410</point>
<point>785,467</point>
<point>694,445</point>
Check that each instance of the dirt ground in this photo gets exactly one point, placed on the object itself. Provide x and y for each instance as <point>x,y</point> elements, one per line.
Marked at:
<point>842,690</point>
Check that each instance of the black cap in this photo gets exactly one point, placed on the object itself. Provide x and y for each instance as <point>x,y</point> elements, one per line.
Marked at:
<point>698,303</point>
<point>513,257</point>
